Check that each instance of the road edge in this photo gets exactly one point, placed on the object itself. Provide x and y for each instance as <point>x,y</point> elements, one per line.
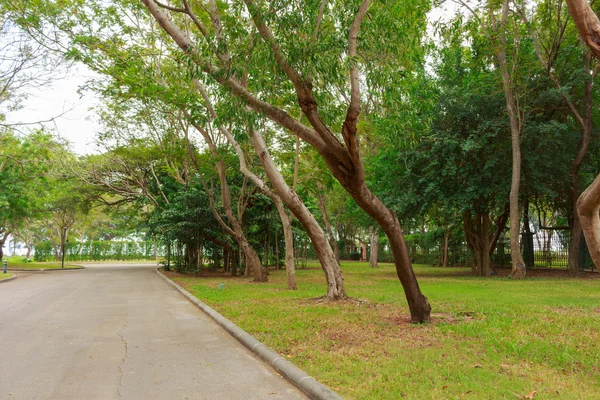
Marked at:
<point>12,278</point>
<point>307,384</point>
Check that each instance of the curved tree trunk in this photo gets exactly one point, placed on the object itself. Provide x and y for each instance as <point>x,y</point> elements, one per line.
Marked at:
<point>585,121</point>
<point>285,221</point>
<point>236,229</point>
<point>588,207</point>
<point>420,309</point>
<point>588,204</point>
<point>333,274</point>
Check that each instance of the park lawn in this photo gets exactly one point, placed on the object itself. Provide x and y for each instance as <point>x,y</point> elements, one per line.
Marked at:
<point>490,338</point>
<point>4,276</point>
<point>20,263</point>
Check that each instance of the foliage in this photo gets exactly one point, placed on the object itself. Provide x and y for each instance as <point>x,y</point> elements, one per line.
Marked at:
<point>99,250</point>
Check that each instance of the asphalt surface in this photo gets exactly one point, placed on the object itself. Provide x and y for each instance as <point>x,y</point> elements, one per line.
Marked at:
<point>120,332</point>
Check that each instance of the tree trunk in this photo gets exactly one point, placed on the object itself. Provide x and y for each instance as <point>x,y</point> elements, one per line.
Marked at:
<point>267,249</point>
<point>62,243</point>
<point>420,309</point>
<point>478,241</point>
<point>518,266</point>
<point>587,24</point>
<point>286,220</point>
<point>290,263</point>
<point>588,207</point>
<point>332,239</point>
<point>225,260</point>
<point>200,256</point>
<point>236,229</point>
<point>277,249</point>
<point>2,241</point>
<point>374,236</point>
<point>331,268</point>
<point>169,254</point>
<point>363,251</point>
<point>445,248</point>
<point>288,235</point>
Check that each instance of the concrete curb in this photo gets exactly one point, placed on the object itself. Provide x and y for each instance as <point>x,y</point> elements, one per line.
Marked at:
<point>306,383</point>
<point>8,279</point>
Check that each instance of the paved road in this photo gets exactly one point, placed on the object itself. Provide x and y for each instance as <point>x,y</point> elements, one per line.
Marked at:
<point>120,332</point>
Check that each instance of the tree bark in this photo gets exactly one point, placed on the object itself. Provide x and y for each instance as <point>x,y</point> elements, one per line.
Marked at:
<point>290,263</point>
<point>330,266</point>
<point>374,236</point>
<point>478,241</point>
<point>587,24</point>
<point>445,249</point>
<point>332,239</point>
<point>286,221</point>
<point>363,251</point>
<point>588,207</point>
<point>588,204</point>
<point>518,266</point>
<point>2,242</point>
<point>236,229</point>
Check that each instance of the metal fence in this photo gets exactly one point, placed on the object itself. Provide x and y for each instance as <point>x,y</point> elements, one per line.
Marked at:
<point>544,249</point>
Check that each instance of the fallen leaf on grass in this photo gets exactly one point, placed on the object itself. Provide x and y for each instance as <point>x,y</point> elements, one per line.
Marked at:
<point>530,395</point>
<point>477,366</point>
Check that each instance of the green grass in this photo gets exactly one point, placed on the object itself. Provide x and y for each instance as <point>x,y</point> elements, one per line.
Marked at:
<point>17,262</point>
<point>4,276</point>
<point>490,338</point>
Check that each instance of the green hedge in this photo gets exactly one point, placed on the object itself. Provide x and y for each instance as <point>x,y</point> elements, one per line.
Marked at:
<point>100,250</point>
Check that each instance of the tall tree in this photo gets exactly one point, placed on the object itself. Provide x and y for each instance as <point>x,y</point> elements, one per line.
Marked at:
<point>343,159</point>
<point>588,204</point>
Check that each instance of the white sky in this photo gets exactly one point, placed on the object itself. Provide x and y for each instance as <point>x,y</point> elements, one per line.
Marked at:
<point>78,124</point>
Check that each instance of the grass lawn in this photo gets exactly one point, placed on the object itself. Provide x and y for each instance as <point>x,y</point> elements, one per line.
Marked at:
<point>491,338</point>
<point>4,276</point>
<point>17,262</point>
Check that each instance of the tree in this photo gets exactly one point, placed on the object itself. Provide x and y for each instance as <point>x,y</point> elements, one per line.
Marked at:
<point>343,159</point>
<point>23,170</point>
<point>588,204</point>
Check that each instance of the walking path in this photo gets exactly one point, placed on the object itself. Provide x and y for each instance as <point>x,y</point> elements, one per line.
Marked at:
<point>120,332</point>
